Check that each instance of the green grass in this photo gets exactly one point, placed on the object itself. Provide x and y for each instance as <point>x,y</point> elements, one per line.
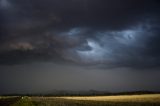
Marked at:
<point>24,101</point>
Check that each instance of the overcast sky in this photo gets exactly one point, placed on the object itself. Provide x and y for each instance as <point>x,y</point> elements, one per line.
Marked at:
<point>111,45</point>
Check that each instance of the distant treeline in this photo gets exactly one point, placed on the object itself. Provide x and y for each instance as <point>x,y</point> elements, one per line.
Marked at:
<point>83,93</point>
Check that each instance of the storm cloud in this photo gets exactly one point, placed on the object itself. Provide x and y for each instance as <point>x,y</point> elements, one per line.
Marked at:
<point>97,34</point>
<point>113,33</point>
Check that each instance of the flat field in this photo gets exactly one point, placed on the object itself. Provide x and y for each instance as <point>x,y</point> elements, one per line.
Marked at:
<point>122,100</point>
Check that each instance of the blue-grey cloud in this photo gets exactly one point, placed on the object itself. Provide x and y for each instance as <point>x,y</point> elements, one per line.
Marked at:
<point>84,32</point>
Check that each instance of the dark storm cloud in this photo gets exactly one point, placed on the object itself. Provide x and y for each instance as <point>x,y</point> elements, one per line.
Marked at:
<point>111,33</point>
<point>74,13</point>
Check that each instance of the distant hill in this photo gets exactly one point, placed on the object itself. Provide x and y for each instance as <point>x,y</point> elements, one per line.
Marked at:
<point>83,93</point>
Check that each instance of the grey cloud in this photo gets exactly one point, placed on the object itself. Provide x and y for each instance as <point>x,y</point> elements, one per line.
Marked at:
<point>119,33</point>
<point>108,45</point>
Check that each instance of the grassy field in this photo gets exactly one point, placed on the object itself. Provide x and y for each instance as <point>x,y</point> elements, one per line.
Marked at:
<point>121,98</point>
<point>8,100</point>
<point>124,100</point>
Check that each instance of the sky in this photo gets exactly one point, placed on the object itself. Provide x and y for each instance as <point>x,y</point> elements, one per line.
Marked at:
<point>109,45</point>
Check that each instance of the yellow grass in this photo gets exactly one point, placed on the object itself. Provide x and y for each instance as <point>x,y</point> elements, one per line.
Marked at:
<point>121,98</point>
